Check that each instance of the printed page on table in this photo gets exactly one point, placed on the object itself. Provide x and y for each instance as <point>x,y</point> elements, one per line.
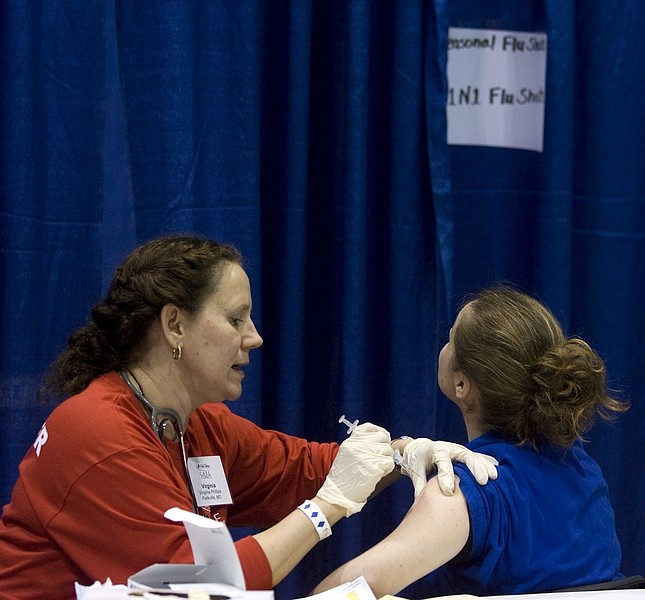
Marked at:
<point>358,589</point>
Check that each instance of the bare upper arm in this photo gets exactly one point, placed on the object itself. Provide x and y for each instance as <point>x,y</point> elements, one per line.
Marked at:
<point>434,530</point>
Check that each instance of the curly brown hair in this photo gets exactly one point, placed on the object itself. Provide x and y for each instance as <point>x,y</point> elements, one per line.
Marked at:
<point>535,384</point>
<point>173,269</point>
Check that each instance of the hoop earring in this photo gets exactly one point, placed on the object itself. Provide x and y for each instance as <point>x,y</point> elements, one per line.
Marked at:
<point>176,353</point>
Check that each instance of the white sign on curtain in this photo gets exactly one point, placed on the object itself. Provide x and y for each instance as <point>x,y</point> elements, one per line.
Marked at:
<point>496,88</point>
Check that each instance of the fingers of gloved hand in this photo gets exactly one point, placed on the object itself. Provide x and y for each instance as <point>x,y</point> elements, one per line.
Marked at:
<point>481,466</point>
<point>365,443</point>
<point>362,457</point>
<point>371,431</point>
<point>353,477</point>
<point>445,472</point>
<point>423,454</point>
<point>491,464</point>
<point>418,455</point>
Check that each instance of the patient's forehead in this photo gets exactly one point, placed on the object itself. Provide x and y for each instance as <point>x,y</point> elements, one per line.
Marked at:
<point>464,313</point>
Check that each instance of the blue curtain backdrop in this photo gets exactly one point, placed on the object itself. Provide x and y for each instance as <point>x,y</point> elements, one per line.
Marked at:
<point>312,134</point>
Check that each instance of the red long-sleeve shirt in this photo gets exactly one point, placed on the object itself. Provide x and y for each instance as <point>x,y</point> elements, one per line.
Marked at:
<point>92,491</point>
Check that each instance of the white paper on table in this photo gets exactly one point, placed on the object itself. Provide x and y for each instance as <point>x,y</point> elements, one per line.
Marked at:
<point>212,544</point>
<point>358,589</point>
<point>100,591</point>
<point>218,589</point>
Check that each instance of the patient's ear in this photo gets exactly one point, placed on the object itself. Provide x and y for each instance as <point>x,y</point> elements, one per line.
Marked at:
<point>464,389</point>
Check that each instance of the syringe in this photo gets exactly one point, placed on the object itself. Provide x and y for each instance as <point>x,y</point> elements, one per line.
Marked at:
<point>399,462</point>
<point>398,459</point>
<point>350,426</point>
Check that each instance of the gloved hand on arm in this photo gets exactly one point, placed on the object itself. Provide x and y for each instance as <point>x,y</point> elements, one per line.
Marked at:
<point>363,459</point>
<point>423,455</point>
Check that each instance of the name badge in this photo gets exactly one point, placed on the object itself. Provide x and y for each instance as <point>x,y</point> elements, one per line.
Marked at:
<point>208,480</point>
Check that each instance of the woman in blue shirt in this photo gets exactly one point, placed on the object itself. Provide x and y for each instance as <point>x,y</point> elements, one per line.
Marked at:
<point>527,394</point>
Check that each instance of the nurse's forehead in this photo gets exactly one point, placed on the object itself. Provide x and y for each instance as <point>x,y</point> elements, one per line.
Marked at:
<point>235,293</point>
<point>230,278</point>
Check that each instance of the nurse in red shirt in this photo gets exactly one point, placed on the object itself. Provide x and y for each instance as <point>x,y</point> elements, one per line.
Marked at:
<point>144,420</point>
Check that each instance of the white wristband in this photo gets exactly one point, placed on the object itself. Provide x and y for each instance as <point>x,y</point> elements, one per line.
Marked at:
<point>317,518</point>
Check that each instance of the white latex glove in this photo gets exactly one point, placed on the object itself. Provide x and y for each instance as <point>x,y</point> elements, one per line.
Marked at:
<point>422,455</point>
<point>363,459</point>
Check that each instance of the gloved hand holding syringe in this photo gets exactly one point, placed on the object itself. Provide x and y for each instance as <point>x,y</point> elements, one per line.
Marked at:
<point>422,455</point>
<point>398,459</point>
<point>362,461</point>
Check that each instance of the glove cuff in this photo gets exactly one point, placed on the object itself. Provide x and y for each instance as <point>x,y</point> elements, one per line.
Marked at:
<point>329,492</point>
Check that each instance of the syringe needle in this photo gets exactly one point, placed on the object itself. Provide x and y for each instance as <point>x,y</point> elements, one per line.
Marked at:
<point>350,426</point>
<point>398,460</point>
